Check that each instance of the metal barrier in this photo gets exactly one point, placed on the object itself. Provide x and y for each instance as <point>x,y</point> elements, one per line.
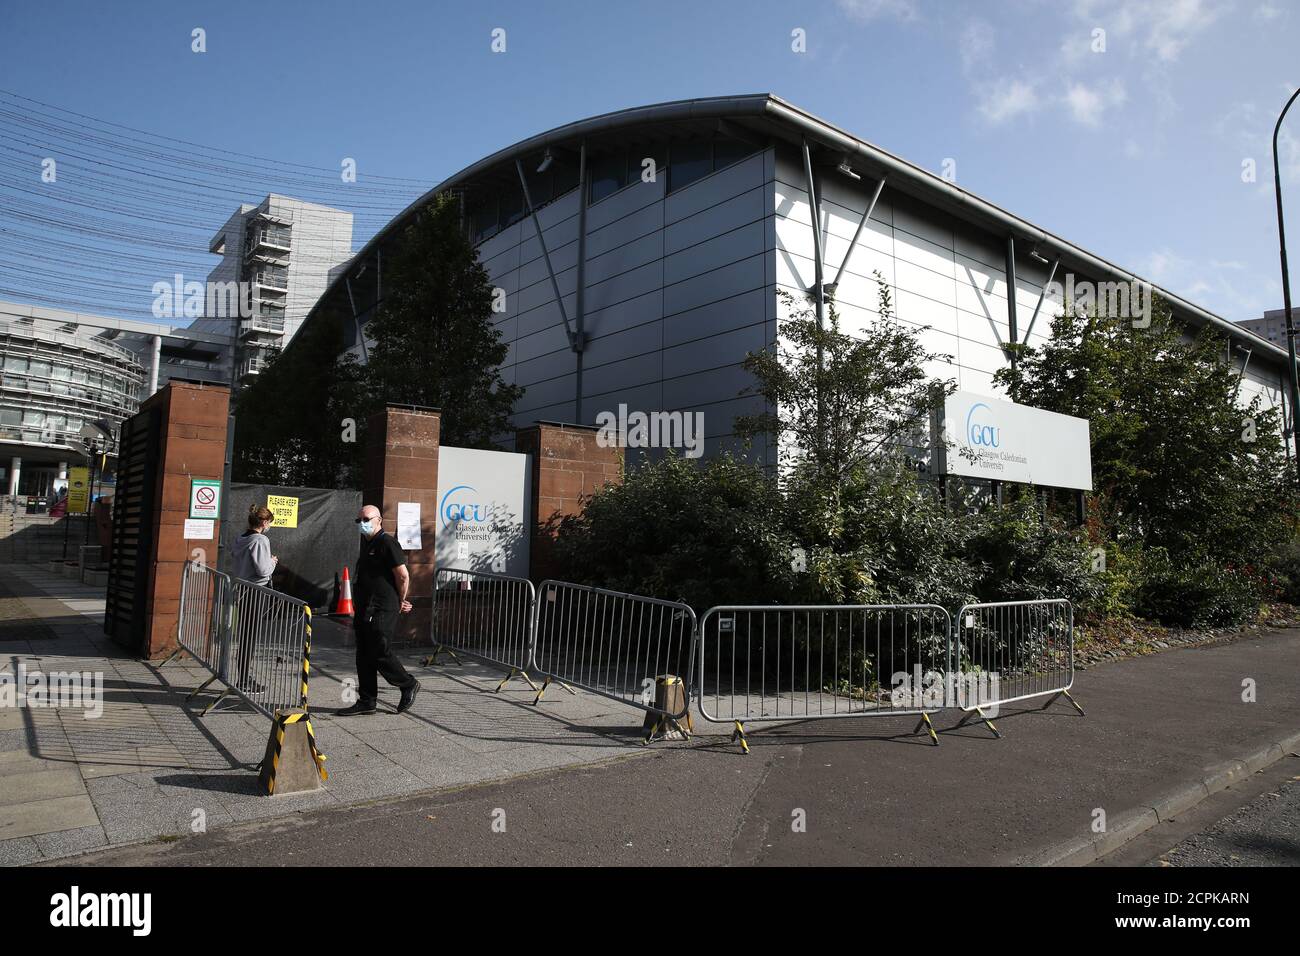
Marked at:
<point>612,644</point>
<point>254,640</point>
<point>1012,651</point>
<point>487,616</point>
<point>768,663</point>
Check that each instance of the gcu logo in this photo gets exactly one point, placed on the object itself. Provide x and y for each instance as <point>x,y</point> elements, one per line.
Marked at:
<point>980,434</point>
<point>460,511</point>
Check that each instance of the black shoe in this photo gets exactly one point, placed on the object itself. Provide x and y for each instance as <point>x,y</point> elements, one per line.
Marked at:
<point>360,707</point>
<point>408,697</point>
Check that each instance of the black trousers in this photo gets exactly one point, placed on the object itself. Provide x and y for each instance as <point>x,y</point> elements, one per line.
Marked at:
<point>374,630</point>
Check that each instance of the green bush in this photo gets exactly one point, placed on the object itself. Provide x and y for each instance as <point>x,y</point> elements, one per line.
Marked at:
<point>1196,593</point>
<point>706,534</point>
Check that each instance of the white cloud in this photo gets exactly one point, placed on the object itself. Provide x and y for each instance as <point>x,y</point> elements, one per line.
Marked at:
<point>1088,104</point>
<point>1266,12</point>
<point>866,10</point>
<point>1163,27</point>
<point>976,44</point>
<point>1006,99</point>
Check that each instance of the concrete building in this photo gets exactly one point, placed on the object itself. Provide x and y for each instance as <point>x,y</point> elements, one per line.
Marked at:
<point>287,251</point>
<point>642,261</point>
<point>64,370</point>
<point>1272,325</point>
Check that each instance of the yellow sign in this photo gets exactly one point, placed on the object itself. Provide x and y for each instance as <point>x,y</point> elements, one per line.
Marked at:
<point>285,510</point>
<point>78,490</point>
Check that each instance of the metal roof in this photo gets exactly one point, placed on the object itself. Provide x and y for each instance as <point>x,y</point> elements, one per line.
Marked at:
<point>769,114</point>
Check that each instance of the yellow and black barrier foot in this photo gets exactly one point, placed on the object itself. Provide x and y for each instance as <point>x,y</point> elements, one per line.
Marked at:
<point>929,728</point>
<point>739,735</point>
<point>171,657</point>
<point>988,723</point>
<point>1074,702</point>
<point>201,688</point>
<point>297,767</point>
<point>542,690</point>
<point>440,649</point>
<point>515,672</point>
<point>650,732</point>
<point>220,697</point>
<point>677,726</point>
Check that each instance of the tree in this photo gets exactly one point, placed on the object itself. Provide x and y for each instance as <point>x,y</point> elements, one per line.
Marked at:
<point>1189,482</point>
<point>434,340</point>
<point>434,344</point>
<point>1176,459</point>
<point>836,400</point>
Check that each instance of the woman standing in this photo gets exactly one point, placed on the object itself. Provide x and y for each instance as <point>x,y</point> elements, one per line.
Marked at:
<point>253,562</point>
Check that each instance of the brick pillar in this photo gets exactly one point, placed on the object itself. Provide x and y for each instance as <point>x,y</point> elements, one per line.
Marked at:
<point>192,444</point>
<point>402,465</point>
<point>567,464</point>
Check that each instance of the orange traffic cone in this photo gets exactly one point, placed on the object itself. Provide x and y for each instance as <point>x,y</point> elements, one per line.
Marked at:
<point>345,597</point>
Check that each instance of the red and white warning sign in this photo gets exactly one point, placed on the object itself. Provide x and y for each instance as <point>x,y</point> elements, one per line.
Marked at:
<point>205,498</point>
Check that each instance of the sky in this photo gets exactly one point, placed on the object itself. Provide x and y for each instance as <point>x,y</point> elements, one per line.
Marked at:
<point>1128,128</point>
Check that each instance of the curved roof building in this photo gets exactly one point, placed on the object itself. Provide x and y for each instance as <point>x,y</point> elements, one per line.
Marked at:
<point>639,252</point>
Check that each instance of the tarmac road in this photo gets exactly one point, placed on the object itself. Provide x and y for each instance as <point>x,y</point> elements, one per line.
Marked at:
<point>834,793</point>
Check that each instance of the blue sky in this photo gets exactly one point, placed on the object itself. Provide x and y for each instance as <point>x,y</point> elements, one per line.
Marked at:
<point>1135,152</point>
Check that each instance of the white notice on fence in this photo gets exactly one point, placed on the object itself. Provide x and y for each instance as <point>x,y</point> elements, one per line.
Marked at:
<point>408,525</point>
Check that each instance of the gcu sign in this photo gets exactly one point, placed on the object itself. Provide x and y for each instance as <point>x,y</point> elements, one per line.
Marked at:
<point>983,437</point>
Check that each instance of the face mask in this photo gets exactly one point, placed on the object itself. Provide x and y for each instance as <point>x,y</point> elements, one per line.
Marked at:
<point>367,528</point>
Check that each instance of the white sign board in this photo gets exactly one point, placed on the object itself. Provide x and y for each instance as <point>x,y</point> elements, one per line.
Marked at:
<point>198,529</point>
<point>1002,441</point>
<point>483,519</point>
<point>408,525</point>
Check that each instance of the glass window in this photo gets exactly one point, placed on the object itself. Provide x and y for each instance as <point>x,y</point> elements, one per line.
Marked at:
<point>40,367</point>
<point>78,374</point>
<point>688,161</point>
<point>32,417</point>
<point>727,151</point>
<point>484,221</point>
<point>512,207</point>
<point>10,416</point>
<point>62,373</point>
<point>608,175</point>
<point>15,363</point>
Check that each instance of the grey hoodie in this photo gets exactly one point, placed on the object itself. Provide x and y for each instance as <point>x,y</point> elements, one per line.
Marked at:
<point>252,557</point>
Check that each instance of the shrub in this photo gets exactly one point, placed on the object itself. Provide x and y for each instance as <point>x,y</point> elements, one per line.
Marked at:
<point>705,534</point>
<point>1196,593</point>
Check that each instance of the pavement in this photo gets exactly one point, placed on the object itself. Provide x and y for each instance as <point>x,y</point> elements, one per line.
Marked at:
<point>841,793</point>
<point>150,766</point>
<point>472,777</point>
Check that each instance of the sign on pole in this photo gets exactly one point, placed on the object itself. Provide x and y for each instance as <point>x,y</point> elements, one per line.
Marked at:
<point>78,490</point>
<point>205,498</point>
<point>987,438</point>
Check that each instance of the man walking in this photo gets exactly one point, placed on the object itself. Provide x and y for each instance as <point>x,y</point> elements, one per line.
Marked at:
<point>381,585</point>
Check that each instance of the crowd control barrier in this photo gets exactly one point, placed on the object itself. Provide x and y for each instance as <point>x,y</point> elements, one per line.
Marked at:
<point>255,641</point>
<point>1025,647</point>
<point>612,644</point>
<point>487,616</point>
<point>812,662</point>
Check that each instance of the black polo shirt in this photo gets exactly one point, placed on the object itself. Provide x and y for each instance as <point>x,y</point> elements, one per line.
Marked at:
<point>376,586</point>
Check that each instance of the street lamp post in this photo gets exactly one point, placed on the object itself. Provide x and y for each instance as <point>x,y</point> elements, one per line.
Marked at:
<point>1286,277</point>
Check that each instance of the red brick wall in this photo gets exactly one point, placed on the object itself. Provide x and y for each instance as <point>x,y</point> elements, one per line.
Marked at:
<point>568,463</point>
<point>401,464</point>
<point>192,445</point>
